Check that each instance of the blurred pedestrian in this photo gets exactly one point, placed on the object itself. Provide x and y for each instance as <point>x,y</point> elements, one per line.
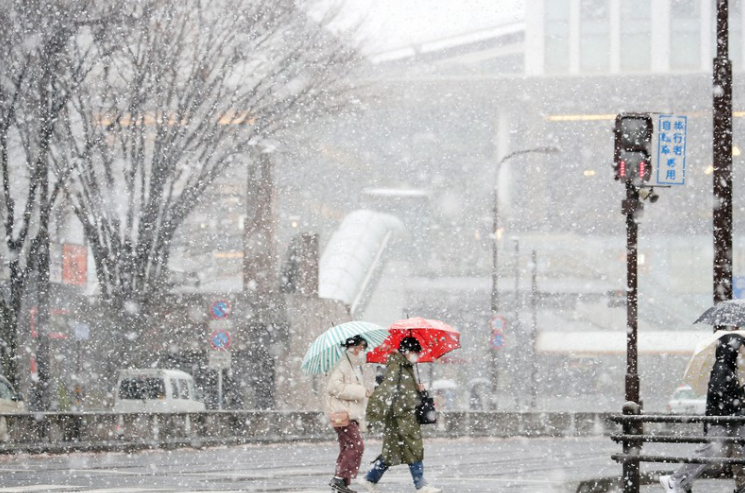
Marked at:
<point>724,397</point>
<point>393,404</point>
<point>379,374</point>
<point>346,396</point>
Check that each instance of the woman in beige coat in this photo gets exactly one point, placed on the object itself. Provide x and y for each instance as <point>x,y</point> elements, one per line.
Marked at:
<point>346,391</point>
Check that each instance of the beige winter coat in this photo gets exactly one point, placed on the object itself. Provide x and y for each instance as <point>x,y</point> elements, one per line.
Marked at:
<point>345,390</point>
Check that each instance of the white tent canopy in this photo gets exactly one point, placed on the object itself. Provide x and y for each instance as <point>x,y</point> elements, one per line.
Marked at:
<point>354,253</point>
<point>590,343</point>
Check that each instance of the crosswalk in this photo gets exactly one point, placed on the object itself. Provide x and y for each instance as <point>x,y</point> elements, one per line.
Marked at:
<point>67,488</point>
<point>52,488</point>
<point>539,465</point>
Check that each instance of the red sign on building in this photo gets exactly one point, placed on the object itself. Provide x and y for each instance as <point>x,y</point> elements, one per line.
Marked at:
<point>74,264</point>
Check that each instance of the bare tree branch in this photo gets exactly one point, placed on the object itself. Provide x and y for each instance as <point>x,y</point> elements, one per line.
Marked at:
<point>182,90</point>
<point>37,78</point>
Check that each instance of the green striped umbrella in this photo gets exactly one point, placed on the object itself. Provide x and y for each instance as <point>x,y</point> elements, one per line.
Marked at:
<point>326,350</point>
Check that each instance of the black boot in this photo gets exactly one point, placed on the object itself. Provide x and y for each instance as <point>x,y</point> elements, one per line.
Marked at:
<point>340,486</point>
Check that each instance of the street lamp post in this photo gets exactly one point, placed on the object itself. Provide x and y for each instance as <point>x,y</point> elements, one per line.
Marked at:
<point>518,363</point>
<point>533,327</point>
<point>495,229</point>
<point>495,222</point>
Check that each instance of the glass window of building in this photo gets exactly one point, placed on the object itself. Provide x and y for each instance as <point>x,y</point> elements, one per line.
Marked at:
<point>735,32</point>
<point>636,35</point>
<point>594,45</point>
<point>685,34</point>
<point>557,36</point>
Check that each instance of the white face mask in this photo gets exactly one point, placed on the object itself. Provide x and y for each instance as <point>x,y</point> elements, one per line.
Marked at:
<point>412,357</point>
<point>355,357</point>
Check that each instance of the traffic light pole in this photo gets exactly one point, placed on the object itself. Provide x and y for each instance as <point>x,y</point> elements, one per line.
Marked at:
<point>633,162</point>
<point>632,157</point>
<point>631,206</point>
<point>722,149</point>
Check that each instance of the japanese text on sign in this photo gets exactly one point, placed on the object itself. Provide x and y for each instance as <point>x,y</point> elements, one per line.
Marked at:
<point>671,150</point>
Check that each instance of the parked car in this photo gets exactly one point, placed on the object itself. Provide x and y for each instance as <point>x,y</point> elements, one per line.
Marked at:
<point>156,390</point>
<point>685,401</point>
<point>10,400</point>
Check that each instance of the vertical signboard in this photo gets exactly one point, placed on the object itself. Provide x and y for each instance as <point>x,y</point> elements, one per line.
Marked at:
<point>68,264</point>
<point>55,263</point>
<point>74,264</point>
<point>670,150</point>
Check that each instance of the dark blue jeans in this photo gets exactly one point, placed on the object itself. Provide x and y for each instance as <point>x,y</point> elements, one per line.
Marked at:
<point>379,468</point>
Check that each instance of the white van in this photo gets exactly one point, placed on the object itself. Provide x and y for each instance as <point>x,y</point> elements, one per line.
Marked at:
<point>10,400</point>
<point>157,391</point>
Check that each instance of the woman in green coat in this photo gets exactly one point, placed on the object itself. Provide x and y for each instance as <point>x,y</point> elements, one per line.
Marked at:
<point>393,404</point>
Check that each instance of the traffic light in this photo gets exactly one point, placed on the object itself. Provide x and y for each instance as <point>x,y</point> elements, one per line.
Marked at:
<point>632,158</point>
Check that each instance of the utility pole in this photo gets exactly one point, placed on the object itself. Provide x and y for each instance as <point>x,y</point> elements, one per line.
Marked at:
<point>534,328</point>
<point>722,149</point>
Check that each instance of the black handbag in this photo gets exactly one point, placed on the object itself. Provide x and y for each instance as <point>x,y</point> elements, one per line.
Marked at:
<point>425,411</point>
<point>426,414</point>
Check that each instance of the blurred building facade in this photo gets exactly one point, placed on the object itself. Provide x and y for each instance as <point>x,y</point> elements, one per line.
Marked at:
<point>445,111</point>
<point>423,145</point>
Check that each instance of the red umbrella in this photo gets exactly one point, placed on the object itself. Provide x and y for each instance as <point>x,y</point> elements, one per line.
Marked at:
<point>436,338</point>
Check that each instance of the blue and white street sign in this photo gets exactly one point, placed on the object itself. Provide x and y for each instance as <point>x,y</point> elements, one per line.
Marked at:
<point>220,339</point>
<point>738,287</point>
<point>220,310</point>
<point>670,150</point>
<point>498,325</point>
<point>82,331</point>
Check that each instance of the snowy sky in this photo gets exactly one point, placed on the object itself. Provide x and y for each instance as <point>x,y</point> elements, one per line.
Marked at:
<point>391,24</point>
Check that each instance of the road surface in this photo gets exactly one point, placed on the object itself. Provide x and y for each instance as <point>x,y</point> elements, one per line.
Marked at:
<point>512,465</point>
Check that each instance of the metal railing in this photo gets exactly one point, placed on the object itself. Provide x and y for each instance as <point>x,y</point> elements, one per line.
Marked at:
<point>633,437</point>
<point>64,432</point>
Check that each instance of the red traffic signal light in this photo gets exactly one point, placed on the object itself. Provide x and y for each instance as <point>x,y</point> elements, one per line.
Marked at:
<point>633,147</point>
<point>633,165</point>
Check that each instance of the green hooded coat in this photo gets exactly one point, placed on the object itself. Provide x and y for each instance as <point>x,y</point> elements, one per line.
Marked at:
<point>393,403</point>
